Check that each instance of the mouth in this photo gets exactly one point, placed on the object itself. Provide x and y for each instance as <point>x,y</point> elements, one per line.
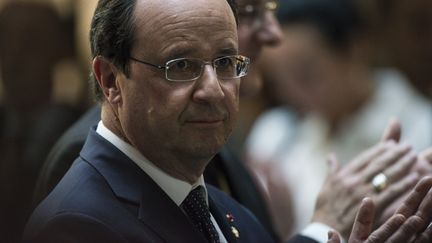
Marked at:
<point>210,116</point>
<point>206,121</point>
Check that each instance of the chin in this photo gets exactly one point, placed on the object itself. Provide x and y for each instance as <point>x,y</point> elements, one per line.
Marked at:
<point>205,149</point>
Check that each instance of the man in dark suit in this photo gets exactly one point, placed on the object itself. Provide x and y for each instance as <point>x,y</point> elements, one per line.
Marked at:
<point>177,118</point>
<point>225,170</point>
<point>139,175</point>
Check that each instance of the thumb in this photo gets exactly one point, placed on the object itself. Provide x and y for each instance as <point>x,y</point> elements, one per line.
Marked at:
<point>333,237</point>
<point>393,130</point>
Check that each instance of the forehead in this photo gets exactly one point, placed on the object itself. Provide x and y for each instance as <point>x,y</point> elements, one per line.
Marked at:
<point>192,22</point>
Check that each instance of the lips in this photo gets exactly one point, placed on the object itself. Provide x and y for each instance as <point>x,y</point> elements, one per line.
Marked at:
<point>205,120</point>
<point>204,114</point>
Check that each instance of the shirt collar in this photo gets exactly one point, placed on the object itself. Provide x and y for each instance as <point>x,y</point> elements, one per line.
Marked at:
<point>176,189</point>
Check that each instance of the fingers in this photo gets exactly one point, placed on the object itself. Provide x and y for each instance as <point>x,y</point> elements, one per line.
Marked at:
<point>391,135</point>
<point>391,156</point>
<point>395,190</point>
<point>333,237</point>
<point>393,131</point>
<point>410,205</point>
<point>387,230</point>
<point>407,231</point>
<point>399,230</point>
<point>427,155</point>
<point>401,168</point>
<point>363,159</point>
<point>425,237</point>
<point>414,224</point>
<point>424,211</point>
<point>363,221</point>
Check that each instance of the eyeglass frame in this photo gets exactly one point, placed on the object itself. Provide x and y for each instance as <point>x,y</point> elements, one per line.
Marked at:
<point>257,11</point>
<point>245,59</point>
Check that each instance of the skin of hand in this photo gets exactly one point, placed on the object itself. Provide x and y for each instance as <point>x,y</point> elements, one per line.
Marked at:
<point>345,187</point>
<point>409,224</point>
<point>423,166</point>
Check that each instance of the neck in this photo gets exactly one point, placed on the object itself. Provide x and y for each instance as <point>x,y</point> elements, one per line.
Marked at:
<point>184,170</point>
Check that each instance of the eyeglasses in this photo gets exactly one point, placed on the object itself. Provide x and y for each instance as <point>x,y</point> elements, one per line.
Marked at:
<point>253,14</point>
<point>189,69</point>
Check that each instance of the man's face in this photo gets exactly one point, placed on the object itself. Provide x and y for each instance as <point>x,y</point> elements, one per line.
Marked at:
<point>257,28</point>
<point>306,73</point>
<point>191,119</point>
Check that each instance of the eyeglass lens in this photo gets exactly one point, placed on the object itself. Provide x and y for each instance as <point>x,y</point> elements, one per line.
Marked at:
<point>188,68</point>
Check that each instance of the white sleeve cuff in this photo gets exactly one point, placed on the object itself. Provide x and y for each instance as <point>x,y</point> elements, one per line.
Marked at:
<point>318,232</point>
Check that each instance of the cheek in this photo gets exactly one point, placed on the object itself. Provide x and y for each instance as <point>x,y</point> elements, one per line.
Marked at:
<point>231,91</point>
<point>231,100</point>
<point>166,104</point>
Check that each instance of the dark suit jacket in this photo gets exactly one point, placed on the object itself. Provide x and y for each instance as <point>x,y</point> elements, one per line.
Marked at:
<point>241,186</point>
<point>106,197</point>
<point>225,171</point>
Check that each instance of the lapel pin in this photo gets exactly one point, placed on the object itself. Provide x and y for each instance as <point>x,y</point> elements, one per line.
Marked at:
<point>230,217</point>
<point>235,232</point>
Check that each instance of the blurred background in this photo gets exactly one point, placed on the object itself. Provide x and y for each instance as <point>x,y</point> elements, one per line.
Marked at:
<point>44,65</point>
<point>317,89</point>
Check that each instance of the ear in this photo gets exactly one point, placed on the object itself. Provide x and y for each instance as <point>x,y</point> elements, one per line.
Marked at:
<point>106,74</point>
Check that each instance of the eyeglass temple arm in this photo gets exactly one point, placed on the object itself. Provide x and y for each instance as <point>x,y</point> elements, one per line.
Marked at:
<point>147,63</point>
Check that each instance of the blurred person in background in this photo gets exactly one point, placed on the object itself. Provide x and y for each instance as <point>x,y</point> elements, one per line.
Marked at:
<point>35,44</point>
<point>405,31</point>
<point>331,100</point>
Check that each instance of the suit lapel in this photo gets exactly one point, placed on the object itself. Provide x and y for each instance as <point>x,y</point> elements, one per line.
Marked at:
<point>159,212</point>
<point>130,183</point>
<point>221,217</point>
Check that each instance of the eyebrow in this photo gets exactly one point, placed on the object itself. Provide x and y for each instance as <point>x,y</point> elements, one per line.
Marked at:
<point>179,52</point>
<point>228,51</point>
<point>187,52</point>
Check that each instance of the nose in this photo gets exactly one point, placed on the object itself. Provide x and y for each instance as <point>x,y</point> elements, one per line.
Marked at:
<point>270,33</point>
<point>208,88</point>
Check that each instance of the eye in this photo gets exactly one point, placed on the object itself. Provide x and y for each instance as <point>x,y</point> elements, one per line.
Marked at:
<point>224,62</point>
<point>181,64</point>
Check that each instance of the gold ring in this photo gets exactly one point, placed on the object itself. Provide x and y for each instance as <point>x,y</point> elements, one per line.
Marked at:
<point>380,182</point>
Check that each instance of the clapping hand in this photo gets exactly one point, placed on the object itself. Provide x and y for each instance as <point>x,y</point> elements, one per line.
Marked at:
<point>409,224</point>
<point>381,173</point>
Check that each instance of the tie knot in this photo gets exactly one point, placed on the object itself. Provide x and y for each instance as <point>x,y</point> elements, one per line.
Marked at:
<point>195,204</point>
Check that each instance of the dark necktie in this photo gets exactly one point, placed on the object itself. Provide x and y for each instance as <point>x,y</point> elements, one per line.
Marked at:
<point>196,208</point>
